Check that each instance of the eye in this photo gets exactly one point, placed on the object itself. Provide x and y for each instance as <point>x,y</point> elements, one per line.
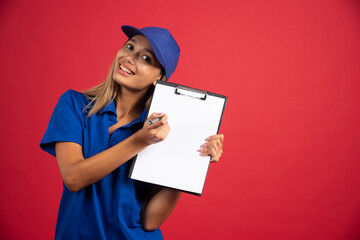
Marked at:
<point>129,46</point>
<point>146,58</point>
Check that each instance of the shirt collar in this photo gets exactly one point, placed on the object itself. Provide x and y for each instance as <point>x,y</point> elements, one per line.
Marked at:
<point>143,116</point>
<point>109,108</point>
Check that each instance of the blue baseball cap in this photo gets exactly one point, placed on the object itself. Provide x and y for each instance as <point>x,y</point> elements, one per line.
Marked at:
<point>162,42</point>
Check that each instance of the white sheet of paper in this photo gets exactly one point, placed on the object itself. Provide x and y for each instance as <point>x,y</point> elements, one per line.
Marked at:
<point>176,162</point>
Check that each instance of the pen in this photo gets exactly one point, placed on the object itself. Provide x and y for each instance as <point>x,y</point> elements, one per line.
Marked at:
<point>154,120</point>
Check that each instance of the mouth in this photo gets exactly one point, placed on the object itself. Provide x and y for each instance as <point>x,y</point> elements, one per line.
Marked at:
<point>124,69</point>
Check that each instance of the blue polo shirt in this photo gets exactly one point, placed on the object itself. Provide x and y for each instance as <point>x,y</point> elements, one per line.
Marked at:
<point>109,208</point>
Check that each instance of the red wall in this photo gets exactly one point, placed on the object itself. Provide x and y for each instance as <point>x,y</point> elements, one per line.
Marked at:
<point>290,68</point>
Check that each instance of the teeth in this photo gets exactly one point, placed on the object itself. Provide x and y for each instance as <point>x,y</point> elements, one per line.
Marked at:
<point>125,69</point>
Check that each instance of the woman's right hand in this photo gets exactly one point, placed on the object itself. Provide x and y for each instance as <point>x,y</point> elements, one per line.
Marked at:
<point>156,132</point>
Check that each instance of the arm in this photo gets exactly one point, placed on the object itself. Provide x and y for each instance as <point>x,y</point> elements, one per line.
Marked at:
<point>164,200</point>
<point>159,207</point>
<point>78,172</point>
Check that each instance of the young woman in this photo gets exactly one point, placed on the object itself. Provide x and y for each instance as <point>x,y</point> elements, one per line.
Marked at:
<point>95,134</point>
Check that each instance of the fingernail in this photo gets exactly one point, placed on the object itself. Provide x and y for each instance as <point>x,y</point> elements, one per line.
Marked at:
<point>207,139</point>
<point>203,145</point>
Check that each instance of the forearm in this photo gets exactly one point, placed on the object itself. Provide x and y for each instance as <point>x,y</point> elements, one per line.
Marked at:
<point>83,172</point>
<point>159,207</point>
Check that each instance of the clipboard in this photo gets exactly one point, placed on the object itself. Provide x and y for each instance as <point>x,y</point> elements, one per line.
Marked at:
<point>193,115</point>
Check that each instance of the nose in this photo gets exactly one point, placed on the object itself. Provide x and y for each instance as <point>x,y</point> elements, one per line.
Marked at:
<point>130,58</point>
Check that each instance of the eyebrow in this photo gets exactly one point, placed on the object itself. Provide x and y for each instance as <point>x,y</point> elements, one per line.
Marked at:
<point>146,49</point>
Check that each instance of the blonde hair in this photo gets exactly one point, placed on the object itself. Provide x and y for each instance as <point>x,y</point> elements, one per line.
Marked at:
<point>104,93</point>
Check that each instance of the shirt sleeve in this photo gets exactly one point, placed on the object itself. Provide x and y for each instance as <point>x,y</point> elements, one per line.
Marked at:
<point>65,124</point>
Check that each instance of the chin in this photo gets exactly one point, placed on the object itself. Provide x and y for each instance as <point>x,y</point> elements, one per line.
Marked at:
<point>121,80</point>
<point>130,86</point>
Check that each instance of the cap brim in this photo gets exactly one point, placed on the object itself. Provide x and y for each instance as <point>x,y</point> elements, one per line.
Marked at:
<point>131,31</point>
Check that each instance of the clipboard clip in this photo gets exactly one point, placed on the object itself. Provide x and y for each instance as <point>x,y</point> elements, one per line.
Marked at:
<point>181,90</point>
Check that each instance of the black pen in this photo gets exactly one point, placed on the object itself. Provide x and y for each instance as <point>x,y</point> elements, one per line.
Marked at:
<point>154,120</point>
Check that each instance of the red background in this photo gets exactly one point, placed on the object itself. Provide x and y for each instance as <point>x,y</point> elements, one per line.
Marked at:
<point>290,168</point>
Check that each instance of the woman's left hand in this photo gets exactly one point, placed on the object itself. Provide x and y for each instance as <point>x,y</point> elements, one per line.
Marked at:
<point>213,147</point>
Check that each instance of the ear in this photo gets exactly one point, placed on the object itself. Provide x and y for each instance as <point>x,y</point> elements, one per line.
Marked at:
<point>162,78</point>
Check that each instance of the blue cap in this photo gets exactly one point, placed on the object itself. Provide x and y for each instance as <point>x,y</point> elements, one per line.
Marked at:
<point>162,42</point>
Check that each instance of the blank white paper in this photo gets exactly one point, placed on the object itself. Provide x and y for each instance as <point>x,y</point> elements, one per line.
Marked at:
<point>176,162</point>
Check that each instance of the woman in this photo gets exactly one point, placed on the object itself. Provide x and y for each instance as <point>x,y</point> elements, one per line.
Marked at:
<point>95,134</point>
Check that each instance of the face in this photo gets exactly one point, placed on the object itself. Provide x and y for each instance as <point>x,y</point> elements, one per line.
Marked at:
<point>136,66</point>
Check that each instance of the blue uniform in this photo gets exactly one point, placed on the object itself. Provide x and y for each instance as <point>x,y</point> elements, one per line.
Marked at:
<point>109,208</point>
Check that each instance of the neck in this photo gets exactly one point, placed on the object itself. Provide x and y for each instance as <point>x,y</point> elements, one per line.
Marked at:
<point>130,103</point>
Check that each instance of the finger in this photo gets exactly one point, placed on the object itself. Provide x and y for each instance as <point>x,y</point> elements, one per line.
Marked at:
<point>214,150</point>
<point>217,136</point>
<point>163,129</point>
<point>213,147</point>
<point>214,155</point>
<point>160,133</point>
<point>161,122</point>
<point>164,132</point>
<point>154,115</point>
<point>164,118</point>
<point>216,142</point>
<point>206,149</point>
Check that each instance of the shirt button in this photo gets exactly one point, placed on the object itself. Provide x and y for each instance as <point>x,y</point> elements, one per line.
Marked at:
<point>112,118</point>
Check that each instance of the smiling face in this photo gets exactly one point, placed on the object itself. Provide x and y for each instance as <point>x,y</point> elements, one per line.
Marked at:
<point>136,66</point>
